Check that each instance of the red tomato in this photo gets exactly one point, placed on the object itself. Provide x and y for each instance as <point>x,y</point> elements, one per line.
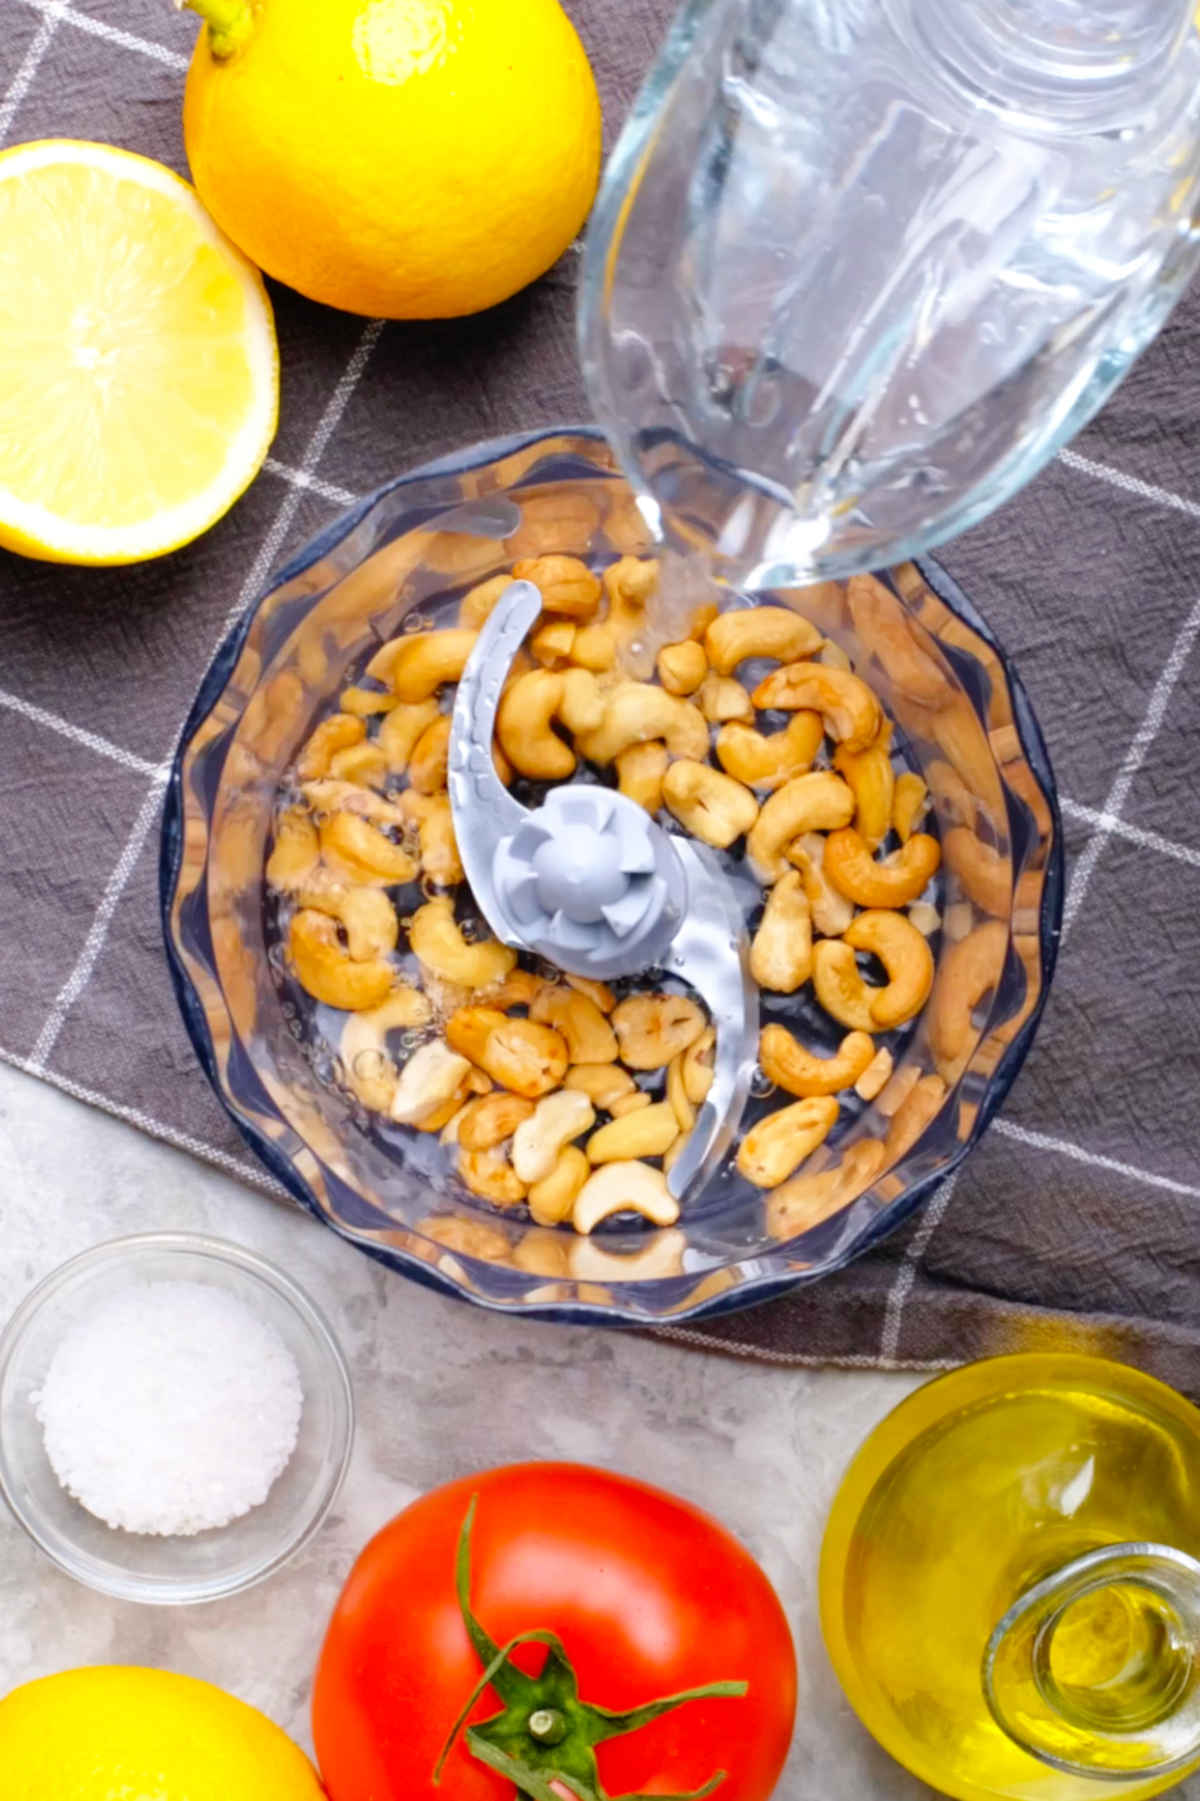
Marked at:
<point>648,1595</point>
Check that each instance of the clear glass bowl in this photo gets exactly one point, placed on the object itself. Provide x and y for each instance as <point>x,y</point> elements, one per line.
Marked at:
<point>209,1565</point>
<point>434,533</point>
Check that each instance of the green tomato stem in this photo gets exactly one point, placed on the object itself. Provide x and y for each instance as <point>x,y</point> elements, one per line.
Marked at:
<point>547,1726</point>
<point>229,22</point>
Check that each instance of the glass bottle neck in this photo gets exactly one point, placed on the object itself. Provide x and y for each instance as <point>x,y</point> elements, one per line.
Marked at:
<point>1096,1669</point>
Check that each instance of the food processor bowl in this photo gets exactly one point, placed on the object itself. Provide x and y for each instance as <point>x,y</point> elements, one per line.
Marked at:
<point>961,720</point>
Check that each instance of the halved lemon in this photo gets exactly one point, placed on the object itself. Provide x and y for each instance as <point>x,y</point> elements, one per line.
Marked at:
<point>139,373</point>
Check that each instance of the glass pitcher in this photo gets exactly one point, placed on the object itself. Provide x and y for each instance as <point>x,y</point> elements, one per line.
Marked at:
<point>859,267</point>
<point>1010,1582</point>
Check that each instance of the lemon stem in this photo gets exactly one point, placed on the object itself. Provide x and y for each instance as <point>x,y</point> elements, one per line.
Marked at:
<point>229,23</point>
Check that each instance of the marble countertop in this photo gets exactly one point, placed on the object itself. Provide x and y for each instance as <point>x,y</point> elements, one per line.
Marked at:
<point>441,1389</point>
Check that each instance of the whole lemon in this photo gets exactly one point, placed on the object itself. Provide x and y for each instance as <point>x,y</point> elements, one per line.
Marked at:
<point>410,159</point>
<point>122,1734</point>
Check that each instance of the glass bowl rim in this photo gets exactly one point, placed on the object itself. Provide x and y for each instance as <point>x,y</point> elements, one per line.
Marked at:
<point>756,1289</point>
<point>185,1592</point>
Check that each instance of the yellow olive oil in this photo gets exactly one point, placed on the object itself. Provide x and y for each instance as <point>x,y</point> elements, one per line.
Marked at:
<point>981,1485</point>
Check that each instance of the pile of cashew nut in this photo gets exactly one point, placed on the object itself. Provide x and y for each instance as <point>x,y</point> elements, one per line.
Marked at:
<point>530,1079</point>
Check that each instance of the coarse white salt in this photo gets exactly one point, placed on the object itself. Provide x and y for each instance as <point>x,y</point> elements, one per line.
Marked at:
<point>170,1408</point>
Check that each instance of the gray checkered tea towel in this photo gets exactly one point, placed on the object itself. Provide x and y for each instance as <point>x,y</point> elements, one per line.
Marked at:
<point>1077,1221</point>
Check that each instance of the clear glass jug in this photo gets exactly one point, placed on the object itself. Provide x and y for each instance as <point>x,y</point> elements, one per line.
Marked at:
<point>859,267</point>
<point>1010,1582</point>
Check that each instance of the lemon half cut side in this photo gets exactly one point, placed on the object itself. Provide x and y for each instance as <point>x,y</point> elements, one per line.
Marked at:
<point>139,373</point>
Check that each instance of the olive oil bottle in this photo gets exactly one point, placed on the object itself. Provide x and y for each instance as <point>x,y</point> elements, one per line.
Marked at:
<point>1010,1582</point>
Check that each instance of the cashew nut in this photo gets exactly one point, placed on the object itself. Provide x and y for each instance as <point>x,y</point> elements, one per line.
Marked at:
<point>839,985</point>
<point>851,712</point>
<point>467,1238</point>
<point>296,851</point>
<point>910,798</point>
<point>721,699</point>
<point>985,873</point>
<point>907,959</point>
<point>918,1110</point>
<point>897,1088</point>
<point>327,971</point>
<point>491,1119</point>
<point>433,1075</point>
<point>380,667</point>
<point>637,711</point>
<point>352,844</point>
<point>590,1038</point>
<point>640,772</point>
<point>430,757</point>
<point>682,667</point>
<point>565,584</point>
<point>363,702</point>
<point>523,726</point>
<point>653,1028</point>
<point>327,796</point>
<point>711,806</point>
<point>855,873</point>
<point>954,798</point>
<point>767,761</point>
<point>781,954</point>
<point>400,731</point>
<point>491,1175</point>
<point>833,656</point>
<point>831,911</point>
<point>520,988</point>
<point>778,1144</point>
<point>630,1103</point>
<point>660,1257</point>
<point>648,1132</point>
<point>968,971</point>
<point>603,1083</point>
<point>363,764</point>
<point>884,626</point>
<point>440,860</point>
<point>817,801</point>
<point>581,706</point>
<point>599,993</point>
<point>333,734</point>
<point>746,632</point>
<point>805,1201</point>
<point>870,774</point>
<point>367,914</point>
<point>876,1076</point>
<point>520,1054</point>
<point>551,1199</point>
<point>787,1063</point>
<point>677,1094</point>
<point>701,618</point>
<point>624,1188</point>
<point>552,642</point>
<point>428,659</point>
<point>629,583</point>
<point>555,518</point>
<point>546,1253</point>
<point>698,1067</point>
<point>925,917</point>
<point>438,945</point>
<point>594,648</point>
<point>550,1128</point>
<point>475,607</point>
<point>368,1069</point>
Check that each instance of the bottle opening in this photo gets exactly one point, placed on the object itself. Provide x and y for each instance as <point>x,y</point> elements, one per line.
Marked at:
<point>1096,1669</point>
<point>1117,1659</point>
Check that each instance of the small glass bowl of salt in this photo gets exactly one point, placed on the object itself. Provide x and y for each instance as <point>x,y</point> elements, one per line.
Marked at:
<point>176,1417</point>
